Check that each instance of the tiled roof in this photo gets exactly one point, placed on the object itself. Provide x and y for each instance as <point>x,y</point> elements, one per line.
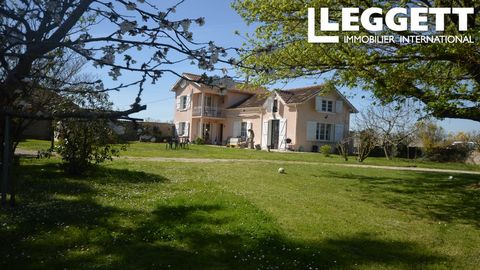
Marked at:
<point>258,95</point>
<point>239,87</point>
<point>255,101</point>
<point>299,95</point>
<point>193,77</point>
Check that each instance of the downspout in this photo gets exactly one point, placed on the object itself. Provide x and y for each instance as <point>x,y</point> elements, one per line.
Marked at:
<point>296,125</point>
<point>261,127</point>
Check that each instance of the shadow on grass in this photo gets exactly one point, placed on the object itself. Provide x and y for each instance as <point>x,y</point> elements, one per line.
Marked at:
<point>427,195</point>
<point>204,245</point>
<point>65,222</point>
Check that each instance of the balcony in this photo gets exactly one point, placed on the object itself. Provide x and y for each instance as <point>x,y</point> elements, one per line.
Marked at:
<point>208,112</point>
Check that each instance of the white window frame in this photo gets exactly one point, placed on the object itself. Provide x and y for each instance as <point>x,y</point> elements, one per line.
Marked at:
<point>324,132</point>
<point>244,129</point>
<point>327,102</point>
<point>183,103</point>
<point>181,128</point>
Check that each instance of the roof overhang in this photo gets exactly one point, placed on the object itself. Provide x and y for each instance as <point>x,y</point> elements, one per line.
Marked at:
<point>188,79</point>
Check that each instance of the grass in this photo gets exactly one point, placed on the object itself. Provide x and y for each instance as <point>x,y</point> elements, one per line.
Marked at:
<point>142,215</point>
<point>137,149</point>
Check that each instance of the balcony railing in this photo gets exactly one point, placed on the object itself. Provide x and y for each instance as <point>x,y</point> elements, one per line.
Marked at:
<point>208,111</point>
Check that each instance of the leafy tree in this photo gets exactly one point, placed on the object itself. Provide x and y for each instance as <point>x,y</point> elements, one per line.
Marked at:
<point>475,138</point>
<point>444,77</point>
<point>37,35</point>
<point>430,134</point>
<point>84,142</point>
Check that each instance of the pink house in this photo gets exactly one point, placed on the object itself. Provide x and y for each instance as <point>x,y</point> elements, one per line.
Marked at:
<point>296,119</point>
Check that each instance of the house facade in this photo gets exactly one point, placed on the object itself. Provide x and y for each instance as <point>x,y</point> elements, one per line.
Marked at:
<point>299,119</point>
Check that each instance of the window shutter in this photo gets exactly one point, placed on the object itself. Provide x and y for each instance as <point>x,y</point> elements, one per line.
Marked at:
<point>282,135</point>
<point>265,127</point>
<point>187,129</point>
<point>177,127</point>
<point>178,102</point>
<point>189,100</point>
<point>249,126</point>
<point>269,104</point>
<point>237,128</point>
<point>338,132</point>
<point>311,131</point>
<point>318,103</point>
<point>339,106</point>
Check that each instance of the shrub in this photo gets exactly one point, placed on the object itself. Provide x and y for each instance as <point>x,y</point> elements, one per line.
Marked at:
<point>82,144</point>
<point>199,141</point>
<point>454,153</point>
<point>367,140</point>
<point>326,150</point>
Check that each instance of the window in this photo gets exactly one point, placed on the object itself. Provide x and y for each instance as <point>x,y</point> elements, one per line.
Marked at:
<point>323,132</point>
<point>181,128</point>
<point>183,102</point>
<point>275,106</point>
<point>327,106</point>
<point>208,101</point>
<point>243,130</point>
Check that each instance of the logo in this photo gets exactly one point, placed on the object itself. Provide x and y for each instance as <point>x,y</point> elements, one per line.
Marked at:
<point>419,20</point>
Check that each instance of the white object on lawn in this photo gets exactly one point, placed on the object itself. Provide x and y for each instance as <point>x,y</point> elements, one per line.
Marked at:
<point>281,170</point>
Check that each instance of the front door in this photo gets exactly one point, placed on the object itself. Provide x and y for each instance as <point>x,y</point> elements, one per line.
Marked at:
<point>220,135</point>
<point>274,134</point>
<point>207,131</point>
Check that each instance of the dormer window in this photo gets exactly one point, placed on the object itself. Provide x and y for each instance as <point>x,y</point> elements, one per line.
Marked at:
<point>275,106</point>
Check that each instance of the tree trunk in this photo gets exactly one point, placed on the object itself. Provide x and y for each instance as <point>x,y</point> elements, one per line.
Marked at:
<point>386,150</point>
<point>6,159</point>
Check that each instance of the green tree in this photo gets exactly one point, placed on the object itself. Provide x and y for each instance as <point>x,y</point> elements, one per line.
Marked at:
<point>430,134</point>
<point>444,77</point>
<point>108,35</point>
<point>84,142</point>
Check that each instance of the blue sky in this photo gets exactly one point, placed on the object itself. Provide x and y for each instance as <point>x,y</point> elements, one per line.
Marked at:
<point>221,21</point>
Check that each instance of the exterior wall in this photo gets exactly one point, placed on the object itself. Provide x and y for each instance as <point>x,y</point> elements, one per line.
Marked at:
<point>252,115</point>
<point>185,115</point>
<point>307,112</point>
<point>160,131</point>
<point>296,116</point>
<point>288,113</point>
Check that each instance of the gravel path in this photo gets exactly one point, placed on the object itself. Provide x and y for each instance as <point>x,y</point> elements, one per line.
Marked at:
<point>217,160</point>
<point>24,152</point>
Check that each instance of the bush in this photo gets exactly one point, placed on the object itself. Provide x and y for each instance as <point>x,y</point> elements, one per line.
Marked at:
<point>199,141</point>
<point>326,150</point>
<point>454,153</point>
<point>82,144</point>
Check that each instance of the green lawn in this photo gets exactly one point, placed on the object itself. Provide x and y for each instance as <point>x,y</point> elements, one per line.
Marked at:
<point>137,149</point>
<point>134,214</point>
